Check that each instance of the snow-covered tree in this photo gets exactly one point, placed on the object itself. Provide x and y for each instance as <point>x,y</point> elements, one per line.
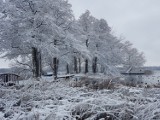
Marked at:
<point>31,30</point>
<point>131,56</point>
<point>85,22</point>
<point>106,49</point>
<point>35,25</point>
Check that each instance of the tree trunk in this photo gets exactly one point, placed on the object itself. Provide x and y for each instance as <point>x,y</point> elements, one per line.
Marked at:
<point>94,65</point>
<point>36,61</point>
<point>79,60</point>
<point>86,66</point>
<point>37,64</point>
<point>67,68</point>
<point>87,43</point>
<point>33,60</point>
<point>102,69</point>
<point>55,63</point>
<point>55,67</point>
<point>40,64</point>
<point>75,65</point>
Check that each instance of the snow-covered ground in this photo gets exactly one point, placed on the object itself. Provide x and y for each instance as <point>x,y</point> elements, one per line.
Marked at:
<point>57,100</point>
<point>152,79</point>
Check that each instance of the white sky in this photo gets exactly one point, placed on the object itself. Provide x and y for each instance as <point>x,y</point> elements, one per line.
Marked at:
<point>137,20</point>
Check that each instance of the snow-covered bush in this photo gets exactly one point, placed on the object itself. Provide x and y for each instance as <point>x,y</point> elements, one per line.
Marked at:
<point>133,80</point>
<point>95,83</point>
<point>50,100</point>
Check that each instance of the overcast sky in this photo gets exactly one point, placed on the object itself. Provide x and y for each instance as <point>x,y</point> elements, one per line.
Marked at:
<point>137,20</point>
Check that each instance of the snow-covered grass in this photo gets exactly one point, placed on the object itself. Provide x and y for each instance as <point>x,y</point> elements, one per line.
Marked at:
<point>57,100</point>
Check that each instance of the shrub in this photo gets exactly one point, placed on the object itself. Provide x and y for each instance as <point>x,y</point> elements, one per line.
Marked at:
<point>94,83</point>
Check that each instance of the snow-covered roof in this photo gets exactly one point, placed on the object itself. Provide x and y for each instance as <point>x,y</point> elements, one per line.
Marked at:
<point>132,70</point>
<point>7,71</point>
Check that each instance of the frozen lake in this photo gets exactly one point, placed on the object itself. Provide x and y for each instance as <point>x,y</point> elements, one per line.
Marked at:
<point>152,79</point>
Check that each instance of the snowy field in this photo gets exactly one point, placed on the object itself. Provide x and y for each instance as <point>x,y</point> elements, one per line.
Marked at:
<point>50,100</point>
<point>152,79</point>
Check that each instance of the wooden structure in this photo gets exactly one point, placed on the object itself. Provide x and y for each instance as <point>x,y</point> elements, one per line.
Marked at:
<point>134,71</point>
<point>133,75</point>
<point>47,73</point>
<point>65,76</point>
<point>9,77</point>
